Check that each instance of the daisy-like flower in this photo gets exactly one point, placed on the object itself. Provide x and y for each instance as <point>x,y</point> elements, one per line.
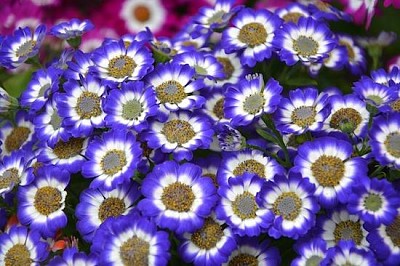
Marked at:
<point>336,60</point>
<point>212,244</point>
<point>42,84</point>
<point>345,253</point>
<point>80,65</point>
<point>251,99</point>
<point>71,29</point>
<point>311,252</point>
<point>383,77</point>
<point>308,41</point>
<point>41,204</point>
<point>252,33</point>
<point>348,114</point>
<point>251,161</point>
<point>112,158</point>
<point>64,154</point>
<point>174,85</point>
<point>327,162</point>
<point>7,102</point>
<point>214,107</point>
<point>130,106</point>
<point>385,139</point>
<point>357,62</point>
<point>250,252</point>
<point>340,225</point>
<point>385,241</point>
<point>140,14</point>
<point>96,205</point>
<point>322,10</point>
<point>18,137</point>
<point>24,44</point>
<point>81,106</point>
<point>292,12</point>
<point>209,166</point>
<point>291,202</point>
<point>131,240</point>
<point>71,256</point>
<point>229,138</point>
<point>114,62</point>
<point>374,93</point>
<point>177,196</point>
<point>374,200</point>
<point>22,247</point>
<point>48,125</point>
<point>14,171</point>
<point>238,207</point>
<point>205,65</point>
<point>182,133</point>
<point>305,110</point>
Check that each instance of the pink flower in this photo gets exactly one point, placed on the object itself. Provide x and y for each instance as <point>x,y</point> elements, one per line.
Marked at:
<point>395,3</point>
<point>361,10</point>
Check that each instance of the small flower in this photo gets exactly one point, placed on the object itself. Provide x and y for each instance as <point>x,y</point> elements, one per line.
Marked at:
<point>348,114</point>
<point>214,107</point>
<point>292,205</point>
<point>79,66</point>
<point>251,161</point>
<point>81,106</point>
<point>41,204</point>
<point>252,33</point>
<point>340,225</point>
<point>251,99</point>
<point>96,205</point>
<point>385,139</point>
<point>384,39</point>
<point>175,85</point>
<point>181,134</point>
<point>250,252</point>
<point>374,93</point>
<point>357,60</point>
<point>212,244</point>
<point>304,111</point>
<point>346,252</point>
<point>229,138</point>
<point>114,62</point>
<point>71,256</point>
<point>112,158</point>
<point>71,29</point>
<point>327,162</point>
<point>177,196</point>
<point>131,240</point>
<point>22,247</point>
<point>308,41</point>
<point>292,12</point>
<point>7,102</point>
<point>311,252</point>
<point>21,46</point>
<point>374,200</point>
<point>130,106</point>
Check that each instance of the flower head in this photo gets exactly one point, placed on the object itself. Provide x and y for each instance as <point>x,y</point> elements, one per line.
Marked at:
<point>71,29</point>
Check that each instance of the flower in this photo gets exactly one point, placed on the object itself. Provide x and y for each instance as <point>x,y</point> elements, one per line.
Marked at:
<point>7,102</point>
<point>115,62</point>
<point>41,204</point>
<point>71,256</point>
<point>17,137</point>
<point>348,114</point>
<point>112,158</point>
<point>251,99</point>
<point>71,29</point>
<point>292,12</point>
<point>22,247</point>
<point>18,48</point>
<point>229,138</point>
<point>346,252</point>
<point>338,225</point>
<point>374,93</point>
<point>292,204</point>
<point>374,200</point>
<point>385,139</point>
<point>252,33</point>
<point>361,10</point>
<point>177,196</point>
<point>80,65</point>
<point>212,244</point>
<point>131,240</point>
<point>175,85</point>
<point>96,205</point>
<point>14,172</point>
<point>308,41</point>
<point>252,161</point>
<point>238,207</point>
<point>39,89</point>
<point>311,252</point>
<point>214,107</point>
<point>182,133</point>
<point>304,110</point>
<point>249,251</point>
<point>81,106</point>
<point>357,62</point>
<point>130,106</point>
<point>336,60</point>
<point>327,162</point>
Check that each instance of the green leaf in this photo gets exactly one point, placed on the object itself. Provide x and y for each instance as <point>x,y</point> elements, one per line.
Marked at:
<point>267,135</point>
<point>17,83</point>
<point>301,81</point>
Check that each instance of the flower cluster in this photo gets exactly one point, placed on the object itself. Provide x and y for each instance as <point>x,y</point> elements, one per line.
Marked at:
<point>227,144</point>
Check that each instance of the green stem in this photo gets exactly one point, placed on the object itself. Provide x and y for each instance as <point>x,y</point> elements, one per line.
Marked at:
<point>377,171</point>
